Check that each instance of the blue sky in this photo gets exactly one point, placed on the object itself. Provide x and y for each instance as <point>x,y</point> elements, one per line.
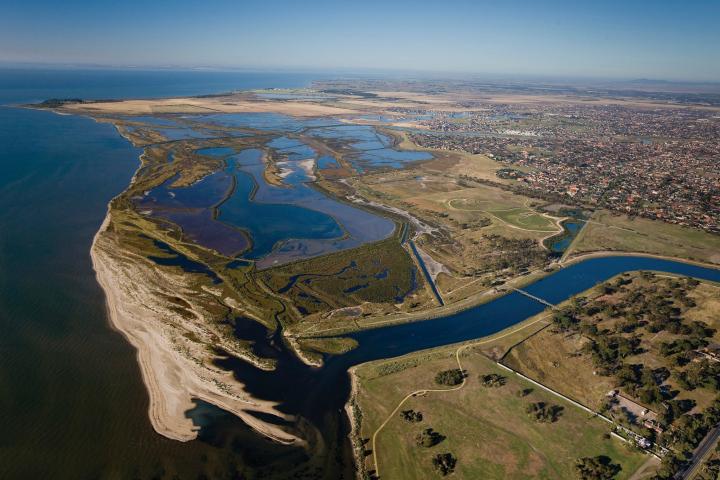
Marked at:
<point>630,39</point>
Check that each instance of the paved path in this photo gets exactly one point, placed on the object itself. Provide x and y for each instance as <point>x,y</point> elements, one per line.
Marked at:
<point>702,451</point>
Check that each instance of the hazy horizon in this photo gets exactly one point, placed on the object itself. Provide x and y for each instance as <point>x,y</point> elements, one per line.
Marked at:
<point>612,40</point>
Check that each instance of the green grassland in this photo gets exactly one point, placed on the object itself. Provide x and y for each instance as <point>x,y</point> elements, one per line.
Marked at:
<point>526,219</point>
<point>609,232</point>
<point>487,429</point>
<point>331,345</point>
<point>519,217</point>
<point>380,273</point>
<point>475,244</point>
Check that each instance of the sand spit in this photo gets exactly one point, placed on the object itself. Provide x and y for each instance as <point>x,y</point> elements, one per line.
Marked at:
<point>230,103</point>
<point>175,363</point>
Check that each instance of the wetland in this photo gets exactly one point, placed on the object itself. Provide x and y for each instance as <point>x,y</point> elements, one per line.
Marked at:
<point>249,240</point>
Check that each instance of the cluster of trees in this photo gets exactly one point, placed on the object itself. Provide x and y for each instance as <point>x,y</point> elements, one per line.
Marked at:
<point>607,351</point>
<point>689,430</point>
<point>478,222</point>
<point>548,196</point>
<point>596,468</point>
<point>59,102</point>
<point>658,307</point>
<point>515,254</point>
<point>444,463</point>
<point>565,320</point>
<point>429,438</point>
<point>653,305</point>
<point>711,469</point>
<point>686,434</point>
<point>451,377</point>
<point>696,338</point>
<point>411,416</point>
<point>493,380</point>
<point>700,374</point>
<point>542,412</point>
<point>644,383</point>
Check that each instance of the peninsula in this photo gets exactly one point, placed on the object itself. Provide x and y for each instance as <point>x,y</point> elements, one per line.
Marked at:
<point>269,237</point>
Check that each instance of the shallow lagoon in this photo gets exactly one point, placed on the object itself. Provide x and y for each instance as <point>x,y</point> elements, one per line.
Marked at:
<point>269,220</point>
<point>284,223</point>
<point>374,150</point>
<point>274,224</point>
<point>300,239</point>
<point>263,121</point>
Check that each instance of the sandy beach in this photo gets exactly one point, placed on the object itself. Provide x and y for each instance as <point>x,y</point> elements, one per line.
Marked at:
<point>175,370</point>
<point>219,104</point>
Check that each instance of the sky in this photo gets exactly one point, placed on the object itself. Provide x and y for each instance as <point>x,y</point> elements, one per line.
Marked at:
<point>674,40</point>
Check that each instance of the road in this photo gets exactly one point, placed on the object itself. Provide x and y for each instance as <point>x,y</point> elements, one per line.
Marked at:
<point>703,450</point>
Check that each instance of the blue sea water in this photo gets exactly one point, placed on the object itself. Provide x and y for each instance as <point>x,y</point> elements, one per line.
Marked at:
<point>72,400</point>
<point>23,85</point>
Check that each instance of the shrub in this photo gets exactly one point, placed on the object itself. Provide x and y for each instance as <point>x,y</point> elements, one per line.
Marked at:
<point>524,392</point>
<point>411,416</point>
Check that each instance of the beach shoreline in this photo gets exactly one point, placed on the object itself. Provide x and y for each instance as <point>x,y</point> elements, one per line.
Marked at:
<point>172,381</point>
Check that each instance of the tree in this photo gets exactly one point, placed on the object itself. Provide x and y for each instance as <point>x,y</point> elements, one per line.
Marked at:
<point>493,380</point>
<point>429,438</point>
<point>542,412</point>
<point>411,416</point>
<point>444,463</point>
<point>670,465</point>
<point>451,377</point>
<point>596,468</point>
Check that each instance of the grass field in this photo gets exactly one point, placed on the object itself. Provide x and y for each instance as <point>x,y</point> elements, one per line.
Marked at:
<point>553,358</point>
<point>526,219</point>
<point>518,217</point>
<point>605,231</point>
<point>484,230</point>
<point>487,429</point>
<point>379,278</point>
<point>549,359</point>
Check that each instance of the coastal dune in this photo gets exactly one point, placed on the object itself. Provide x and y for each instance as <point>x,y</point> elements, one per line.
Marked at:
<point>172,352</point>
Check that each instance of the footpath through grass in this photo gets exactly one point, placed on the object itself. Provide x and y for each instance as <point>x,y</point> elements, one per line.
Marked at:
<point>487,428</point>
